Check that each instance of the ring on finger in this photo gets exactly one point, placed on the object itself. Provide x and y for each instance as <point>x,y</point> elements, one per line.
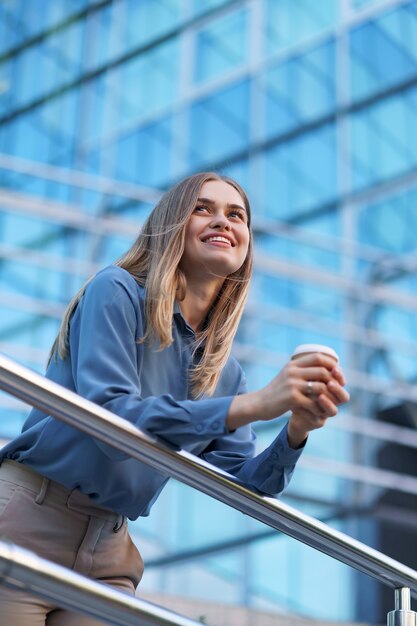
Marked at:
<point>310,389</point>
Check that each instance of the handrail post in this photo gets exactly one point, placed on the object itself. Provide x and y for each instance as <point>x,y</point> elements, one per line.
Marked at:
<point>402,615</point>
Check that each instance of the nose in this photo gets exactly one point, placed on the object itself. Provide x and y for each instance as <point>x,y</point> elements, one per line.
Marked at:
<point>220,222</point>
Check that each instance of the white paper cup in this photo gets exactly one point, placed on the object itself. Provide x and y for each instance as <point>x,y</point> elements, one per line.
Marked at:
<point>308,348</point>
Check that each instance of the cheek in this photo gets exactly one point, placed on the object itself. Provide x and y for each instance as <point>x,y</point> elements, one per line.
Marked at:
<point>246,243</point>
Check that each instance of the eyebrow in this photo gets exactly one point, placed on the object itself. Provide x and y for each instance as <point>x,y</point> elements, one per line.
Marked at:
<point>231,206</point>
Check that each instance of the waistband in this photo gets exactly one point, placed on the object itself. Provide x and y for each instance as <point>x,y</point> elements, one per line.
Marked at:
<point>25,476</point>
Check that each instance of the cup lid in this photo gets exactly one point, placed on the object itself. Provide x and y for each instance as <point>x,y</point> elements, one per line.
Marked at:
<point>315,347</point>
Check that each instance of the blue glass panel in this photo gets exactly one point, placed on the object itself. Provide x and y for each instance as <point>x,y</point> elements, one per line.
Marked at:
<point>240,172</point>
<point>390,224</point>
<point>144,157</point>
<point>312,299</point>
<point>221,46</point>
<point>112,247</point>
<point>18,229</point>
<point>289,576</point>
<point>31,141</point>
<point>33,20</point>
<point>288,22</point>
<point>127,158</point>
<point>63,135</point>
<point>149,81</point>
<point>10,30</point>
<point>93,94</point>
<point>41,135</point>
<point>155,154</point>
<point>300,174</point>
<point>219,125</point>
<point>29,86</point>
<point>6,87</point>
<point>66,47</point>
<point>300,89</point>
<point>380,139</point>
<point>56,61</point>
<point>11,421</point>
<point>60,10</point>
<point>258,374</point>
<point>201,6</point>
<point>103,41</point>
<point>308,254</point>
<point>148,19</point>
<point>30,280</point>
<point>362,4</point>
<point>395,327</point>
<point>393,41</point>
<point>134,211</point>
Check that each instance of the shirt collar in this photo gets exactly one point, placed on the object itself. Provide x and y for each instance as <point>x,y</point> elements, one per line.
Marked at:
<point>181,319</point>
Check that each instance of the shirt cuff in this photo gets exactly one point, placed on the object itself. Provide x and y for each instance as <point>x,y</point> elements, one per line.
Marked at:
<point>281,450</point>
<point>211,415</point>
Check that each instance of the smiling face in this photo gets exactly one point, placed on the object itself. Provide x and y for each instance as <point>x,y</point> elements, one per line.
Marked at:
<point>217,233</point>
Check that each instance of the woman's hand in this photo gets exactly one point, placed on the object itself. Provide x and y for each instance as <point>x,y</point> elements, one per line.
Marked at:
<point>309,386</point>
<point>303,420</point>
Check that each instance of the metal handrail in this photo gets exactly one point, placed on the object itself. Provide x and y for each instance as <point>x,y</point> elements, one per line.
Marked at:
<point>122,435</point>
<point>72,591</point>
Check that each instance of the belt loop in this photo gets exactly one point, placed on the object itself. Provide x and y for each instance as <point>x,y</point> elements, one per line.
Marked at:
<point>44,488</point>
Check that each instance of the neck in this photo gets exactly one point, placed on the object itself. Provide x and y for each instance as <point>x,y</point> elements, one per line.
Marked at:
<point>199,298</point>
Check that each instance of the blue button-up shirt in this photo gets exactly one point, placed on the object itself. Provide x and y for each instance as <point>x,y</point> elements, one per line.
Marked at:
<point>108,364</point>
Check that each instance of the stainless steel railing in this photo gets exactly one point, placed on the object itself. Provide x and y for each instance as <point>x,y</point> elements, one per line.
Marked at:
<point>117,432</point>
<point>77,593</point>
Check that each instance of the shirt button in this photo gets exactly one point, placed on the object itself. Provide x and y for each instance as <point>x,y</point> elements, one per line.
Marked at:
<point>199,428</point>
<point>216,424</point>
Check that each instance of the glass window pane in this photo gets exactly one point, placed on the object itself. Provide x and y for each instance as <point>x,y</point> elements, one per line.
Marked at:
<point>288,22</point>
<point>221,46</point>
<point>202,6</point>
<point>391,224</point>
<point>6,87</point>
<point>362,4</point>
<point>300,175</point>
<point>144,157</point>
<point>149,83</point>
<point>146,20</point>
<point>380,139</point>
<point>300,89</point>
<point>393,40</point>
<point>225,115</point>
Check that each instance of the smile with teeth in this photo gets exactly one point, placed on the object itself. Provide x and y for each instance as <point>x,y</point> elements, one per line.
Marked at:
<point>218,238</point>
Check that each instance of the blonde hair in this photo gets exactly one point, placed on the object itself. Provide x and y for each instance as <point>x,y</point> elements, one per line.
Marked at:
<point>153,260</point>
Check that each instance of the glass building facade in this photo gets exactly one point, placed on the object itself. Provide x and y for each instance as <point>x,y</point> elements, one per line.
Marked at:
<point>312,106</point>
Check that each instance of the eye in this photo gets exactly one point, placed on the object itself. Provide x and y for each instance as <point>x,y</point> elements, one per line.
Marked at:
<point>200,208</point>
<point>236,213</point>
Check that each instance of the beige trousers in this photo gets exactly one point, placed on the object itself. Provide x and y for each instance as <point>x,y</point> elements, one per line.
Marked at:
<point>67,528</point>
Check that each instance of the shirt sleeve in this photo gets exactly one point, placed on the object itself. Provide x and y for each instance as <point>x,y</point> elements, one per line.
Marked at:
<point>104,334</point>
<point>268,472</point>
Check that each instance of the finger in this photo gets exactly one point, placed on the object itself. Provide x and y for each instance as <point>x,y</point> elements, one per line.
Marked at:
<point>338,375</point>
<point>315,359</point>
<point>314,374</point>
<point>340,394</point>
<point>327,406</point>
<point>313,388</point>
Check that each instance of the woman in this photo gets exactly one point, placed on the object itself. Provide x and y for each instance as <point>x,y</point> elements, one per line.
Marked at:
<point>149,339</point>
